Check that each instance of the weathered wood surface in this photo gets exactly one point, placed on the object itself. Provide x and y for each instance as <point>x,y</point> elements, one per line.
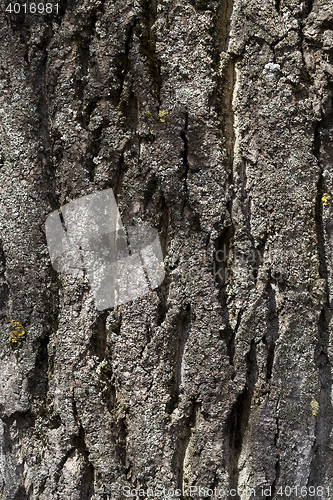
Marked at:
<point>207,381</point>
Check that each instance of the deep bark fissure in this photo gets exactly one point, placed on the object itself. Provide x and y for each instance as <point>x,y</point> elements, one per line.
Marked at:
<point>2,157</point>
<point>309,4</point>
<point>164,237</point>
<point>38,384</point>
<point>120,176</point>
<point>272,333</point>
<point>79,444</point>
<point>124,60</point>
<point>277,463</point>
<point>85,37</point>
<point>163,294</point>
<point>229,336</point>
<point>184,441</point>
<point>301,91</point>
<point>245,203</point>
<point>221,28</point>
<point>108,388</point>
<point>185,149</point>
<point>324,418</point>
<point>62,462</point>
<point>21,494</point>
<point>319,214</point>
<point>222,274</point>
<point>43,111</point>
<point>99,336</point>
<point>41,127</point>
<point>148,46</point>
<point>239,417</point>
<point>221,261</point>
<point>121,433</point>
<point>115,326</point>
<point>130,110</point>
<point>231,127</point>
<point>4,288</point>
<point>228,94</point>
<point>164,225</point>
<point>179,348</point>
<point>88,475</point>
<point>183,332</point>
<point>223,245</point>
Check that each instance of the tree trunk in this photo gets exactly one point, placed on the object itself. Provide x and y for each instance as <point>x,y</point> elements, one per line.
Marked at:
<point>212,123</point>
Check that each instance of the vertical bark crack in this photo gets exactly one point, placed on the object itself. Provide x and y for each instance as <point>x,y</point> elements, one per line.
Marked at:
<point>184,445</point>
<point>272,332</point>
<point>185,149</point>
<point>4,288</point>
<point>309,4</point>
<point>148,44</point>
<point>319,214</point>
<point>124,62</point>
<point>277,464</point>
<point>240,415</point>
<point>324,419</point>
<point>88,475</point>
<point>179,348</point>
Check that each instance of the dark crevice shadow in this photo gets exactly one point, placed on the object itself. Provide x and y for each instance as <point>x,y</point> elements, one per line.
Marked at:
<point>182,331</point>
<point>272,331</point>
<point>324,416</point>
<point>239,417</point>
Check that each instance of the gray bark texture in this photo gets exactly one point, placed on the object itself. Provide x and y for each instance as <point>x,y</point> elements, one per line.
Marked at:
<point>212,122</point>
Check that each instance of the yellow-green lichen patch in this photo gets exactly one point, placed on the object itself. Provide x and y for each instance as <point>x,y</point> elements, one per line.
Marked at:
<point>315,407</point>
<point>325,199</point>
<point>17,333</point>
<point>162,115</point>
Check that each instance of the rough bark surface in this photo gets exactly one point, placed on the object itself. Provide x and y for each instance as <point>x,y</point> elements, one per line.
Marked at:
<point>208,380</point>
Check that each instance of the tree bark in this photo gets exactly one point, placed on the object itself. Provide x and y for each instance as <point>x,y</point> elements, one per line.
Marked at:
<point>212,122</point>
